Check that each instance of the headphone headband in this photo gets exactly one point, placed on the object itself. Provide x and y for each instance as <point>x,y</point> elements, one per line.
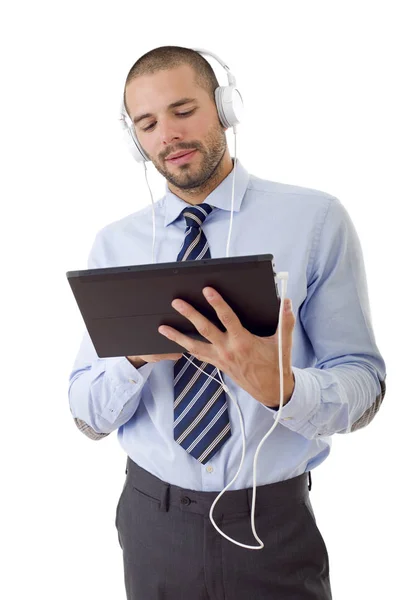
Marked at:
<point>227,98</point>
<point>231,77</point>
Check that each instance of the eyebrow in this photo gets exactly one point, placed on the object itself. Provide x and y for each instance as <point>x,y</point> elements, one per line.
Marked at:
<point>180,102</point>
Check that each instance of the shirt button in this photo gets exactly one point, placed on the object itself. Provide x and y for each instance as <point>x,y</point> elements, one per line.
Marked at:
<point>210,469</point>
<point>185,500</point>
<point>132,381</point>
<point>288,419</point>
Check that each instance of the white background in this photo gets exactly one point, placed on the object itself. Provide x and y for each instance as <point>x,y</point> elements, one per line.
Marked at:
<point>319,82</point>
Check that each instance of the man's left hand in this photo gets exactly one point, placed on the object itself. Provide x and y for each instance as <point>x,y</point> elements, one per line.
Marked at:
<point>250,360</point>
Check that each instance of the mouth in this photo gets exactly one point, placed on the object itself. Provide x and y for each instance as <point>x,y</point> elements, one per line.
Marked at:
<point>182,158</point>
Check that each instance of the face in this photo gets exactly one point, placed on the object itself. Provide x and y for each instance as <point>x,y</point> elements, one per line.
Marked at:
<point>171,115</point>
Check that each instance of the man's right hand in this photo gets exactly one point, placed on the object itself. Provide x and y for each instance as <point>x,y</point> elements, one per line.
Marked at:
<point>139,361</point>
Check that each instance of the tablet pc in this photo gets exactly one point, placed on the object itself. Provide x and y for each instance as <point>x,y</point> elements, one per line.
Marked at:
<point>122,307</point>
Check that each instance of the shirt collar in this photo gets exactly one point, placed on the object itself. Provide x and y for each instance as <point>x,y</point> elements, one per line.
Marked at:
<point>220,197</point>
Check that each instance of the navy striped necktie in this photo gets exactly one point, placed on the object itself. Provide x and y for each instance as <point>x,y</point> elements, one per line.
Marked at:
<point>201,419</point>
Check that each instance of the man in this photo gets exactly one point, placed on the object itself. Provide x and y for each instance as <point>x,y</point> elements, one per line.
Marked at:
<point>334,375</point>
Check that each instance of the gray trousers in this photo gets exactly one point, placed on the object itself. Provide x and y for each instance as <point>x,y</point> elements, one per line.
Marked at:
<point>171,550</point>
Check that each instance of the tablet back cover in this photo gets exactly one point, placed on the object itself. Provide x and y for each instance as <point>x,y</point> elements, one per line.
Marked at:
<point>123,307</point>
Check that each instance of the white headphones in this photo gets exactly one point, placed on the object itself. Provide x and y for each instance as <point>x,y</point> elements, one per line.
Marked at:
<point>227,98</point>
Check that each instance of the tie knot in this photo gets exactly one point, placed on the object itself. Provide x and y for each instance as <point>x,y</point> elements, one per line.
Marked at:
<point>196,215</point>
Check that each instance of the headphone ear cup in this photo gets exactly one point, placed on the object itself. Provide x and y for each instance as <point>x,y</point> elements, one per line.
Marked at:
<point>135,148</point>
<point>229,105</point>
<point>130,138</point>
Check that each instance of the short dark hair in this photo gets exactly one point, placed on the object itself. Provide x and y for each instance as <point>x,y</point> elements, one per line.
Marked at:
<point>169,57</point>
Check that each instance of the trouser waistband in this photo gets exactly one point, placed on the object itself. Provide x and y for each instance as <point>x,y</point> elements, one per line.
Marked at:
<point>167,495</point>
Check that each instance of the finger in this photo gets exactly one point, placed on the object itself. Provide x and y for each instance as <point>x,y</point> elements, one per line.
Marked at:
<point>226,315</point>
<point>194,347</point>
<point>207,329</point>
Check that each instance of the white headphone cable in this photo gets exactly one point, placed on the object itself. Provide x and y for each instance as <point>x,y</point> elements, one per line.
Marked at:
<point>232,201</point>
<point>152,207</point>
<point>284,277</point>
<point>233,193</point>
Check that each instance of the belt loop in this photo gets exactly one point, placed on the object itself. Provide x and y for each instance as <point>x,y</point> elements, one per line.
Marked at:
<point>164,500</point>
<point>309,480</point>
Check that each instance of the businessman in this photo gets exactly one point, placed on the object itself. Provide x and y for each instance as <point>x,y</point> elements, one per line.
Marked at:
<point>334,375</point>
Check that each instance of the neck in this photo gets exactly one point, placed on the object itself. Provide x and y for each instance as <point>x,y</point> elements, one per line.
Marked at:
<point>198,195</point>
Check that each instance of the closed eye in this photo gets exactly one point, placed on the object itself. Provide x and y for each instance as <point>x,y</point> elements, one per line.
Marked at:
<point>183,114</point>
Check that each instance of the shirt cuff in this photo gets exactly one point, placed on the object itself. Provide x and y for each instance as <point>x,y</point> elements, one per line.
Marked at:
<point>303,404</point>
<point>125,383</point>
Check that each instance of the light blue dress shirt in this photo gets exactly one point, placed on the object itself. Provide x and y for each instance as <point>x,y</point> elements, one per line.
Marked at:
<point>338,370</point>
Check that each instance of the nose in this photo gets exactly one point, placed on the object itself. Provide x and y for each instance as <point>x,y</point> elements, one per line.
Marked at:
<point>168,132</point>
